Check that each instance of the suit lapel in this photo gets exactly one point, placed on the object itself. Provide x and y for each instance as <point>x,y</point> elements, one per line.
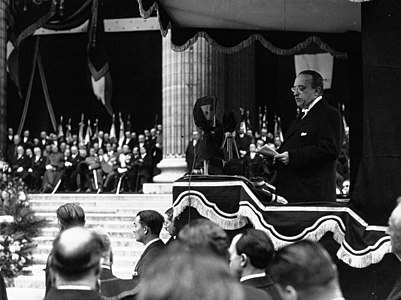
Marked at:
<point>297,124</point>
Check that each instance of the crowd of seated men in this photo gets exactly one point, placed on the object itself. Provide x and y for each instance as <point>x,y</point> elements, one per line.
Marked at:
<point>54,162</point>
<point>258,166</point>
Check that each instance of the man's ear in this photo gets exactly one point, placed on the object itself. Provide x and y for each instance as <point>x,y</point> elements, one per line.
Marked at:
<point>244,259</point>
<point>290,292</point>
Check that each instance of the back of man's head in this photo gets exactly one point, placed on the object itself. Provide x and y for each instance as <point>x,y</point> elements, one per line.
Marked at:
<point>203,233</point>
<point>107,253</point>
<point>304,266</point>
<point>70,215</point>
<point>76,255</point>
<point>153,220</point>
<point>258,247</point>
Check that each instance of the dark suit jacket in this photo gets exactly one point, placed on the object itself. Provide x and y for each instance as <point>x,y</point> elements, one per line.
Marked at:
<point>264,283</point>
<point>55,294</point>
<point>251,293</point>
<point>313,144</point>
<point>115,288</point>
<point>148,256</point>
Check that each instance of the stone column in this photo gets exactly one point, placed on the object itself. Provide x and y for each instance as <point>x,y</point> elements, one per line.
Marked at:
<point>199,71</point>
<point>3,75</point>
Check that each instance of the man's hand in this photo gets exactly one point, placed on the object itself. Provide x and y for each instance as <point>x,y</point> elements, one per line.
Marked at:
<point>283,157</point>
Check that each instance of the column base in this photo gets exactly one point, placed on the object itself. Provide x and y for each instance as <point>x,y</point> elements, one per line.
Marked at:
<point>171,170</point>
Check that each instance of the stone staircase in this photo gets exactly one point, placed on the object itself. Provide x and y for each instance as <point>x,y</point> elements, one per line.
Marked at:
<point>114,213</point>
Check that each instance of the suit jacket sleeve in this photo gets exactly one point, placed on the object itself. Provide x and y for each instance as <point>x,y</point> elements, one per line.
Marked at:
<point>327,146</point>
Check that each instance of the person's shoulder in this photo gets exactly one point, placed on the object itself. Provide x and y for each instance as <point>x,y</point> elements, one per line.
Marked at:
<point>252,293</point>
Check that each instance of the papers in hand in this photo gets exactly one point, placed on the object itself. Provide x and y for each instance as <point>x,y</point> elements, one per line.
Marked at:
<point>267,151</point>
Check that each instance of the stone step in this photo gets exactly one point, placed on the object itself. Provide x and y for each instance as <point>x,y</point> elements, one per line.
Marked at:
<point>99,217</point>
<point>53,230</point>
<point>128,211</point>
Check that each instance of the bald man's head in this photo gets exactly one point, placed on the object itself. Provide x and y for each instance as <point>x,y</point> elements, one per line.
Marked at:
<point>394,229</point>
<point>76,253</point>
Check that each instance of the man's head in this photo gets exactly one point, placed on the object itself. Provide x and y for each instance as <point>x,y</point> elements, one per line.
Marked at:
<point>195,135</point>
<point>251,252</point>
<point>203,233</point>
<point>169,222</point>
<point>37,151</point>
<point>147,225</point>
<point>182,273</point>
<point>70,215</point>
<point>128,134</point>
<point>20,150</point>
<point>10,131</point>
<point>142,151</point>
<point>100,134</point>
<point>141,138</point>
<point>252,148</point>
<point>74,150</point>
<point>76,257</point>
<point>92,152</point>
<point>126,149</point>
<point>43,135</point>
<point>305,270</point>
<point>107,253</point>
<point>26,133</point>
<point>394,229</point>
<point>54,148</point>
<point>308,85</point>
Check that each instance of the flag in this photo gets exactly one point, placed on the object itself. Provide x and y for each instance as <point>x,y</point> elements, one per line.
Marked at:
<point>277,128</point>
<point>68,135</point>
<point>248,120</point>
<point>60,128</point>
<point>96,128</point>
<point>264,119</point>
<point>81,138</point>
<point>242,124</point>
<point>88,134</point>
<point>113,134</point>
<point>260,118</point>
<point>121,136</point>
<point>129,125</point>
<point>97,58</point>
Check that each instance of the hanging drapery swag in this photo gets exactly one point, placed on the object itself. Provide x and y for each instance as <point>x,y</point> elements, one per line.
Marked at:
<point>37,61</point>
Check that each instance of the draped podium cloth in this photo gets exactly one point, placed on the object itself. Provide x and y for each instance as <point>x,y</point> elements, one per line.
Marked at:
<point>232,202</point>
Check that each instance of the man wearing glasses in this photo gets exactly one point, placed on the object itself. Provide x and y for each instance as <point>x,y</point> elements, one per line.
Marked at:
<point>306,163</point>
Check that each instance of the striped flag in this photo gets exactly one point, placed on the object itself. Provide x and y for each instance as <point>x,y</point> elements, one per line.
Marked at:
<point>88,134</point>
<point>121,136</point>
<point>113,134</point>
<point>81,138</point>
<point>277,128</point>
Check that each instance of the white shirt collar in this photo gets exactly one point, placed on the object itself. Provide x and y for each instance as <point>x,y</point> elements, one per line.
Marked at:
<point>74,287</point>
<point>150,243</point>
<point>306,110</point>
<point>106,267</point>
<point>252,276</point>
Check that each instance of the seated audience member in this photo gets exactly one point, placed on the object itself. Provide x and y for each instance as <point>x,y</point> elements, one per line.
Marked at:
<point>68,215</point>
<point>54,169</point>
<point>21,165</point>
<point>189,274</point>
<point>133,171</point>
<point>146,229</point>
<point>243,141</point>
<point>255,165</point>
<point>145,167</point>
<point>92,170</point>
<point>394,230</point>
<point>304,270</point>
<point>71,169</point>
<point>251,252</point>
<point>191,150</point>
<point>11,154</point>
<point>111,287</point>
<point>169,225</point>
<point>26,140</point>
<point>76,265</point>
<point>37,169</point>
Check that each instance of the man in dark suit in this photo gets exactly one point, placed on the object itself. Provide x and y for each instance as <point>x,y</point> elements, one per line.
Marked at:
<point>190,152</point>
<point>76,265</point>
<point>112,287</point>
<point>54,169</point>
<point>147,227</point>
<point>306,163</point>
<point>251,252</point>
<point>304,270</point>
<point>255,165</point>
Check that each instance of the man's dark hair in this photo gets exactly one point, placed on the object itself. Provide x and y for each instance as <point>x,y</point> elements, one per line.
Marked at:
<point>75,265</point>
<point>257,245</point>
<point>203,233</point>
<point>70,215</point>
<point>152,219</point>
<point>304,265</point>
<point>317,79</point>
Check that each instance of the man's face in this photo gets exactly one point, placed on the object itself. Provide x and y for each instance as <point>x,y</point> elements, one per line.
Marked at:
<point>20,150</point>
<point>235,259</point>
<point>394,231</point>
<point>10,131</point>
<point>100,134</point>
<point>195,135</point>
<point>304,94</point>
<point>139,230</point>
<point>74,150</point>
<point>26,133</point>
<point>128,134</point>
<point>43,135</point>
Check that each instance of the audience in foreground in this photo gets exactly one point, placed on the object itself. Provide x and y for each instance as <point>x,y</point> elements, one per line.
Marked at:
<point>76,265</point>
<point>305,271</point>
